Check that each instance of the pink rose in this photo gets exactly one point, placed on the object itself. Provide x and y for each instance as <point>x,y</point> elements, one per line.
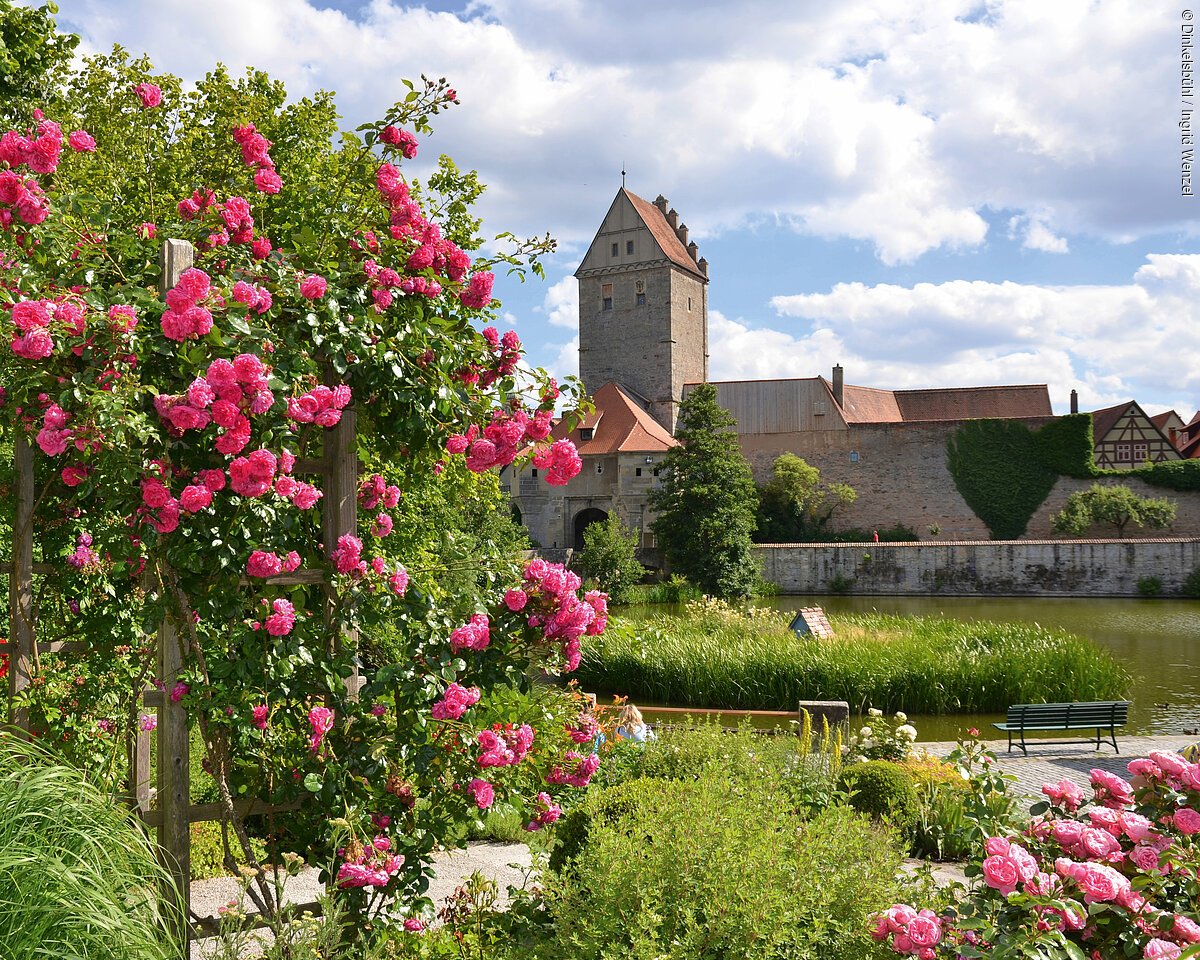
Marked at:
<point>924,931</point>
<point>482,792</point>
<point>149,94</point>
<point>1000,873</point>
<point>313,287</point>
<point>1187,821</point>
<point>82,142</point>
<point>1161,950</point>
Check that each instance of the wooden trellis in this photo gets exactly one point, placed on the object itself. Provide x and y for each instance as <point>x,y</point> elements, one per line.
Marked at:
<point>169,812</point>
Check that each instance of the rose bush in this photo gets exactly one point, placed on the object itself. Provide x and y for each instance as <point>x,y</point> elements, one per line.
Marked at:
<point>174,432</point>
<point>1113,875</point>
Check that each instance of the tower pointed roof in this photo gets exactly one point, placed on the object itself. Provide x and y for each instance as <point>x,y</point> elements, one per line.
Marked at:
<point>665,236</point>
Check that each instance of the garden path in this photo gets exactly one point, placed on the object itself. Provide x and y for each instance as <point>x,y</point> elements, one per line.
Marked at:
<point>494,860</point>
<point>1048,762</point>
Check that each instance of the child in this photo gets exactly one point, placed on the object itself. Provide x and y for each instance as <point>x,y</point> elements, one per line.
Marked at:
<point>632,726</point>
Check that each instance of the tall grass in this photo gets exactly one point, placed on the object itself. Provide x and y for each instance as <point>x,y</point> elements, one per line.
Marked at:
<point>77,878</point>
<point>713,656</point>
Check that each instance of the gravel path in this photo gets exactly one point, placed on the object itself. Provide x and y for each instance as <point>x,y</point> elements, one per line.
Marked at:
<point>1049,762</point>
<point>506,863</point>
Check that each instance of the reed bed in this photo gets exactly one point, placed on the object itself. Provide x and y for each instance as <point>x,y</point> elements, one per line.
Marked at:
<point>715,656</point>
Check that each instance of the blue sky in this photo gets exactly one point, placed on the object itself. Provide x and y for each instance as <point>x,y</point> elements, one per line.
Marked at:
<point>933,193</point>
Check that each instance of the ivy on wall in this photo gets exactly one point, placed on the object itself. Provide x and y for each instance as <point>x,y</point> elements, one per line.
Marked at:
<point>1172,474</point>
<point>1005,471</point>
<point>1067,446</point>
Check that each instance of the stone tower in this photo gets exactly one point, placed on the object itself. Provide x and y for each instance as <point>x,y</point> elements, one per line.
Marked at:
<point>643,306</point>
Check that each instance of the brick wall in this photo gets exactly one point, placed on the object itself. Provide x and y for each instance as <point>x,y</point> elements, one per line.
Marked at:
<point>981,568</point>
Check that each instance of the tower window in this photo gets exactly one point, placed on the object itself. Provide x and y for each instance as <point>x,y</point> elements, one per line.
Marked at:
<point>629,247</point>
<point>606,295</point>
<point>641,299</point>
<point>616,250</point>
<point>637,471</point>
<point>689,304</point>
<point>599,467</point>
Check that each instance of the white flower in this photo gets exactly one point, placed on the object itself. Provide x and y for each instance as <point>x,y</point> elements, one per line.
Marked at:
<point>865,732</point>
<point>875,713</point>
<point>901,716</point>
<point>868,744</point>
<point>907,732</point>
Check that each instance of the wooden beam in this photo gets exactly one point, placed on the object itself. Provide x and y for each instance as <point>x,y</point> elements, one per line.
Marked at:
<point>20,581</point>
<point>202,812</point>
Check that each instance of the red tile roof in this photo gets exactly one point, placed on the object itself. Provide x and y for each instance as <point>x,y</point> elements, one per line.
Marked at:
<point>620,425</point>
<point>1104,420</point>
<point>975,403</point>
<point>664,234</point>
<point>867,404</point>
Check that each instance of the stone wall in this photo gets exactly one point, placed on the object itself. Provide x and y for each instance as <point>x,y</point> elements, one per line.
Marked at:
<point>981,568</point>
<point>899,472</point>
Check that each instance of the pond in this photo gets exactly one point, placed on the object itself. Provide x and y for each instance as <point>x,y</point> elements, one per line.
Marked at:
<point>1157,640</point>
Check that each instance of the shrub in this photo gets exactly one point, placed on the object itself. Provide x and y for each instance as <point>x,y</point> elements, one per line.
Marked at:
<point>77,877</point>
<point>675,589</point>
<point>1191,584</point>
<point>598,808</point>
<point>883,790</point>
<point>1149,586</point>
<point>609,557</point>
<point>709,868</point>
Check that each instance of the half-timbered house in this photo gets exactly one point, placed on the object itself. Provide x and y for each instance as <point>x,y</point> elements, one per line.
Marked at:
<point>1126,437</point>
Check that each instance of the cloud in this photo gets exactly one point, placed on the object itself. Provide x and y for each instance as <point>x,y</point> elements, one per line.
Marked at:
<point>561,303</point>
<point>1111,342</point>
<point>1037,235</point>
<point>898,125</point>
<point>565,361</point>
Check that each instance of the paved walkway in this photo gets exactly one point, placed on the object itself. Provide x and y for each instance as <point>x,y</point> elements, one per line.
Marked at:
<point>1048,762</point>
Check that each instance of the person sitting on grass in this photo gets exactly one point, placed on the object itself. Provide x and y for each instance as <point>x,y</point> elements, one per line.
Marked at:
<point>632,726</point>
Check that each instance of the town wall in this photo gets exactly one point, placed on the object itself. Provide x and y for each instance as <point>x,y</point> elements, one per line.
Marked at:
<point>981,568</point>
<point>900,475</point>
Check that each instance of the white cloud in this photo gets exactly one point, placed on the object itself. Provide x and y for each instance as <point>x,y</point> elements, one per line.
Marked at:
<point>896,125</point>
<point>1037,236</point>
<point>565,362</point>
<point>561,303</point>
<point>1111,342</point>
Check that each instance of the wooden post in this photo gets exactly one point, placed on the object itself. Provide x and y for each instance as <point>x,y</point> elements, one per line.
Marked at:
<point>174,747</point>
<point>340,515</point>
<point>174,767</point>
<point>20,582</point>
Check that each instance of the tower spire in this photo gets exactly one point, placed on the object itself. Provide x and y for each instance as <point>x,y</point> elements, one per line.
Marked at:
<point>622,174</point>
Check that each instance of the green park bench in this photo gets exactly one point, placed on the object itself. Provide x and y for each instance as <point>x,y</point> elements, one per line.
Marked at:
<point>1100,715</point>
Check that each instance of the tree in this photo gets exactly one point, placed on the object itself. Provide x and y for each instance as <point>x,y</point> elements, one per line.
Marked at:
<point>795,506</point>
<point>33,56</point>
<point>707,502</point>
<point>610,557</point>
<point>1116,505</point>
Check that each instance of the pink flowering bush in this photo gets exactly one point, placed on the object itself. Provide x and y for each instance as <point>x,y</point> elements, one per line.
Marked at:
<point>1116,874</point>
<point>174,431</point>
